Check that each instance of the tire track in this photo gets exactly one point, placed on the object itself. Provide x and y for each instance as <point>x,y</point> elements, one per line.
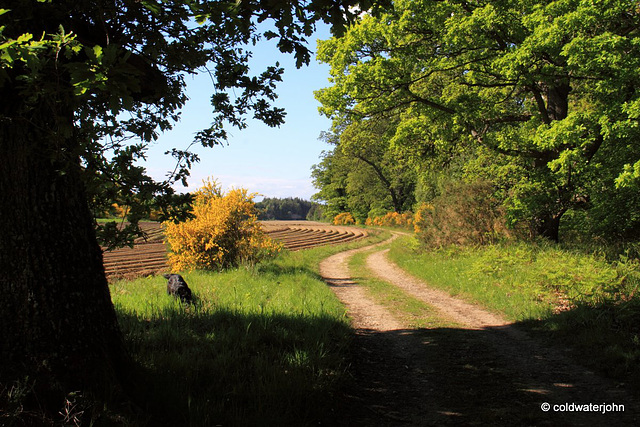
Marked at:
<point>366,314</point>
<point>380,393</point>
<point>459,311</point>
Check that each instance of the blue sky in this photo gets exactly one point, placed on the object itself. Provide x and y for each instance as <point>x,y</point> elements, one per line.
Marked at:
<point>275,162</point>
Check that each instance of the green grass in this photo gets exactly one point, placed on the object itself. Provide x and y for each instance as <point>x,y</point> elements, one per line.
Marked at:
<point>479,276</point>
<point>262,345</point>
<point>575,299</point>
<point>104,220</point>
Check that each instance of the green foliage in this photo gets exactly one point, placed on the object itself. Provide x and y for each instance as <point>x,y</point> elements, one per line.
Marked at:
<point>363,173</point>
<point>103,78</point>
<point>316,213</point>
<point>544,91</point>
<point>330,176</point>
<point>612,216</point>
<point>86,87</point>
<point>575,278</point>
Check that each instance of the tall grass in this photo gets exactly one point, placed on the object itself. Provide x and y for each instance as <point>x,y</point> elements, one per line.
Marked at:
<point>578,299</point>
<point>262,345</point>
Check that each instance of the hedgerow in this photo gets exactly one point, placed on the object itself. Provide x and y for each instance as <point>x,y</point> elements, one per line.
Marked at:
<point>392,219</point>
<point>464,214</point>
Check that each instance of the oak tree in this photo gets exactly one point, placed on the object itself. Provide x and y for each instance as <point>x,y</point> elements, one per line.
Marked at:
<point>85,87</point>
<point>377,177</point>
<point>549,88</point>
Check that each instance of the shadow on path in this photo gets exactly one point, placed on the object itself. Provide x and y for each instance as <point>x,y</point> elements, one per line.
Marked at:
<point>449,376</point>
<point>487,372</point>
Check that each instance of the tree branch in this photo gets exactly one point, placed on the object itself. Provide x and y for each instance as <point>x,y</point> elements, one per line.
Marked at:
<point>385,181</point>
<point>542,106</point>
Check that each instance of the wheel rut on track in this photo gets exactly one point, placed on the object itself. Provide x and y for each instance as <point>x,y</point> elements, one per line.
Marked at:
<point>485,371</point>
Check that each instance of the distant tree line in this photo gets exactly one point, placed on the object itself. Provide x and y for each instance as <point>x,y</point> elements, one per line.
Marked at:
<point>290,208</point>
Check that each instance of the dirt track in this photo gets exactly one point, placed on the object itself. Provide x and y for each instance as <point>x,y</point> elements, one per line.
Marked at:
<point>483,372</point>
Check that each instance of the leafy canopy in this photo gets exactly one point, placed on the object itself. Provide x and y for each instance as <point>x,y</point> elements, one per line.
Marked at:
<point>109,75</point>
<point>548,87</point>
<point>364,171</point>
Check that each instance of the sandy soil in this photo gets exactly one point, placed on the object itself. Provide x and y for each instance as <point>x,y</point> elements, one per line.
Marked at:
<point>483,372</point>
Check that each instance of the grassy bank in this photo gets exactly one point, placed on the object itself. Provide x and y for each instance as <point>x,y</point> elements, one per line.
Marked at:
<point>579,300</point>
<point>263,345</point>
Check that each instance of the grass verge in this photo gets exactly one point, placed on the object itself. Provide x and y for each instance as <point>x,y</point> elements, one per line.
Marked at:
<point>262,345</point>
<point>578,300</point>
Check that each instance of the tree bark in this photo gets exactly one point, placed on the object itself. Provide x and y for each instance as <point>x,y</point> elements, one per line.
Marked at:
<point>558,100</point>
<point>59,326</point>
<point>549,226</point>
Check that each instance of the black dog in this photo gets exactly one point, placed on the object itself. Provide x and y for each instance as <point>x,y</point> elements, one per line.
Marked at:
<point>177,287</point>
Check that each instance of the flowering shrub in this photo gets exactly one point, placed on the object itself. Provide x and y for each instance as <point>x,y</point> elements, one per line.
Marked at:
<point>344,218</point>
<point>119,211</point>
<point>224,232</point>
<point>423,217</point>
<point>392,219</point>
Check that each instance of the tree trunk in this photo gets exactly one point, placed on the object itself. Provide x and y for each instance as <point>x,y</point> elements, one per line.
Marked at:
<point>59,326</point>
<point>549,226</point>
<point>558,100</point>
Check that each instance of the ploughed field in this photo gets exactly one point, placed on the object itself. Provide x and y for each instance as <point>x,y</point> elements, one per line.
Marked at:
<point>149,256</point>
<point>296,235</point>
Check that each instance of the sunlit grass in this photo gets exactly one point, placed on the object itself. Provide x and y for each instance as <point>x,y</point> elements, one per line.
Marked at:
<point>411,311</point>
<point>457,275</point>
<point>261,345</point>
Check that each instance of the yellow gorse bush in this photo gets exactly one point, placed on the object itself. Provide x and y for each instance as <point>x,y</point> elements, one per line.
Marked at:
<point>224,232</point>
<point>392,219</point>
<point>422,218</point>
<point>344,218</point>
